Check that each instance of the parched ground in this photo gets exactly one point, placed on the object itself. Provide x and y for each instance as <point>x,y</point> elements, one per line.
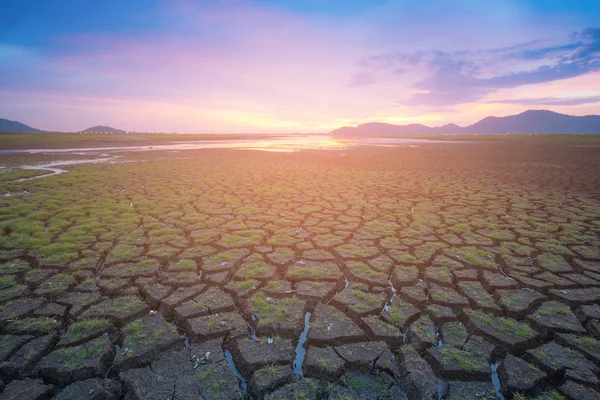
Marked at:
<point>456,271</point>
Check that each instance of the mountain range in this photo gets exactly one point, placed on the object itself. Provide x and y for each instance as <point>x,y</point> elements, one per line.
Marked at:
<point>7,126</point>
<point>14,126</point>
<point>528,122</point>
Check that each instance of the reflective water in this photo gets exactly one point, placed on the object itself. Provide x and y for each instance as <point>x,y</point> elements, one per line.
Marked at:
<point>442,388</point>
<point>289,143</point>
<point>496,380</point>
<point>52,170</point>
<point>278,144</point>
<point>232,366</point>
<point>300,349</point>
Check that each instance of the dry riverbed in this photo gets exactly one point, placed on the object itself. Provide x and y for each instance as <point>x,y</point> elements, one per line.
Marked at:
<point>454,271</point>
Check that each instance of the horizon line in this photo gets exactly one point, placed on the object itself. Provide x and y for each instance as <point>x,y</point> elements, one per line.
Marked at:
<point>288,132</point>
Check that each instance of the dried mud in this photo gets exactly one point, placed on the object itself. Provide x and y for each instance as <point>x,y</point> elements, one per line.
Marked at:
<point>440,271</point>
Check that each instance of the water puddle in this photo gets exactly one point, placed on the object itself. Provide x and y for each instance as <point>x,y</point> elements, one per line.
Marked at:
<point>186,342</point>
<point>286,144</point>
<point>496,379</point>
<point>270,150</point>
<point>243,380</point>
<point>394,290</point>
<point>51,167</point>
<point>405,338</point>
<point>53,171</point>
<point>300,349</point>
<point>252,332</point>
<point>10,194</point>
<point>438,336</point>
<point>442,388</point>
<point>182,335</point>
<point>387,305</point>
<point>395,366</point>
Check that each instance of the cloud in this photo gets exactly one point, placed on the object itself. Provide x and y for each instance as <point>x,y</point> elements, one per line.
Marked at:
<point>458,77</point>
<point>549,101</point>
<point>242,65</point>
<point>222,66</point>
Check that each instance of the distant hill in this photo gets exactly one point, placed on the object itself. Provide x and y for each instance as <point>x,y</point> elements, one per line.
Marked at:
<point>528,122</point>
<point>8,126</point>
<point>103,129</point>
<point>537,121</point>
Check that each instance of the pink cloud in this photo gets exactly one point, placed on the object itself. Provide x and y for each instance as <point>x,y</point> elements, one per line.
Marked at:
<point>224,66</point>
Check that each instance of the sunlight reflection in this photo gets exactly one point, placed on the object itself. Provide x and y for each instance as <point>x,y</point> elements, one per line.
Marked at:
<point>288,143</point>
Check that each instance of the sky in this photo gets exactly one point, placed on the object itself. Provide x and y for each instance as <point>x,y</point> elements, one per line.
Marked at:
<point>233,66</point>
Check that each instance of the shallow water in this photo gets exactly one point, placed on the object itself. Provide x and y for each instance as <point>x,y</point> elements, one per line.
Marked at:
<point>51,166</point>
<point>496,380</point>
<point>276,144</point>
<point>280,144</point>
<point>300,349</point>
<point>232,366</point>
<point>442,388</point>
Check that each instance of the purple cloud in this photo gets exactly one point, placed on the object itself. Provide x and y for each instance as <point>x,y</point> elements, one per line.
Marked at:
<point>550,101</point>
<point>467,76</point>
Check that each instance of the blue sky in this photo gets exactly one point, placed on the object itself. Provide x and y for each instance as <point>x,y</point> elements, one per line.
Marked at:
<point>293,65</point>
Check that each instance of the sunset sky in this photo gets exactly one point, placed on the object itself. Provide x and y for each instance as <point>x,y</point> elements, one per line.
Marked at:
<point>293,65</point>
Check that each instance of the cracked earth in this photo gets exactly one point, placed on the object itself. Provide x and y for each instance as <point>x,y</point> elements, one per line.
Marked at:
<point>462,271</point>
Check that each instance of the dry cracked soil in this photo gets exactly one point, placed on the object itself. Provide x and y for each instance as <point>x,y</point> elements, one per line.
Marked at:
<point>443,271</point>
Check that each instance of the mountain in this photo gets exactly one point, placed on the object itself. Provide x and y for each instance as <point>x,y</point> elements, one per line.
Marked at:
<point>447,129</point>
<point>531,121</point>
<point>380,128</point>
<point>537,121</point>
<point>103,129</point>
<point>8,126</point>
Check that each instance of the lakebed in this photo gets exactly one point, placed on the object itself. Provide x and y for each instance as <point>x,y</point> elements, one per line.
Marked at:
<point>382,270</point>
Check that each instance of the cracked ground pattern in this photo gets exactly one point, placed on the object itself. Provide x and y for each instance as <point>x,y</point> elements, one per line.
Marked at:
<point>458,271</point>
